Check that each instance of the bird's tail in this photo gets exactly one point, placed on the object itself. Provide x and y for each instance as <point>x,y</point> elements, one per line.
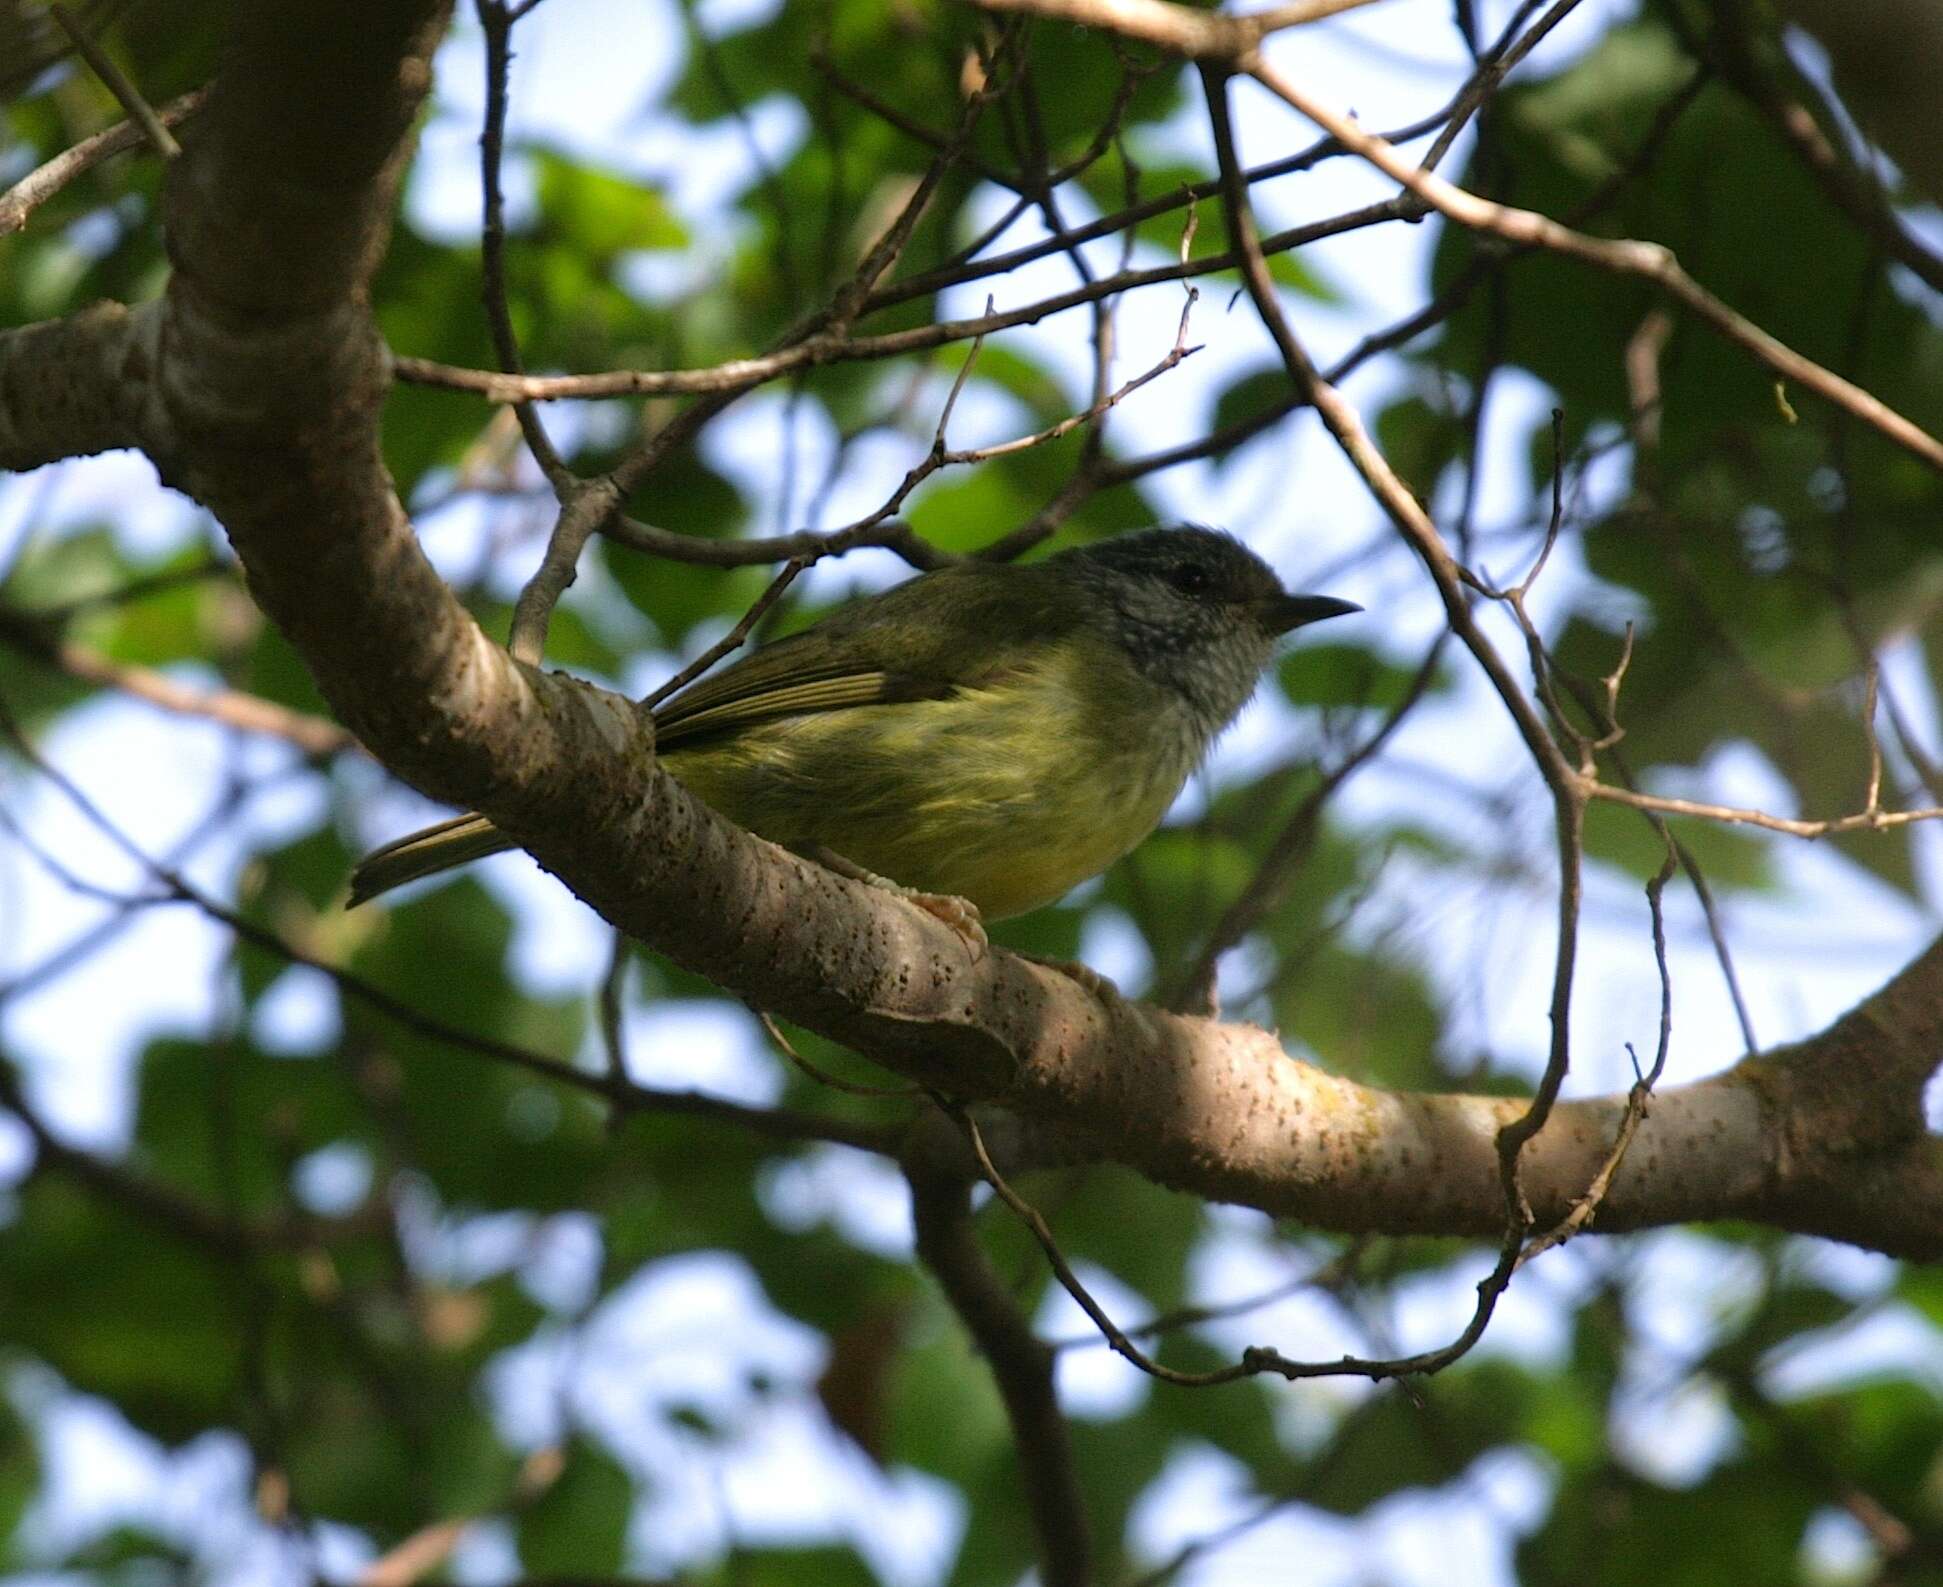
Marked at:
<point>456,842</point>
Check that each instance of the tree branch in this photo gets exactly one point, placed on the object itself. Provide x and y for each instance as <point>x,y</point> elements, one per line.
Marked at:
<point>314,735</point>
<point>1211,38</point>
<point>269,395</point>
<point>1021,1362</point>
<point>77,386</point>
<point>44,181</point>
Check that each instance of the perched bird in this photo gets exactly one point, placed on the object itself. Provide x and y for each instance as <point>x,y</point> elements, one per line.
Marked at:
<point>985,735</point>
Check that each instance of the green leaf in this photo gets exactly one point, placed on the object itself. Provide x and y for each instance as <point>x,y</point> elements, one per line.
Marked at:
<point>1728,857</point>
<point>20,1479</point>
<point>1420,440</point>
<point>1256,395</point>
<point>1325,674</point>
<point>598,214</point>
<point>578,1525</point>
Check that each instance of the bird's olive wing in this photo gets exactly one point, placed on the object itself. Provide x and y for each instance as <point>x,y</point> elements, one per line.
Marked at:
<point>918,641</point>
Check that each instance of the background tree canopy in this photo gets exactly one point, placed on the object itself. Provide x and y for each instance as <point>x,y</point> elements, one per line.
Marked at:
<point>487,1236</point>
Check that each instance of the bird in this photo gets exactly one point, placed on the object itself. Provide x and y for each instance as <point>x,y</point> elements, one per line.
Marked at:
<point>982,737</point>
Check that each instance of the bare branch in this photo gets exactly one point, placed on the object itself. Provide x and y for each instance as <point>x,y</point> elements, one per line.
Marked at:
<point>496,22</point>
<point>1199,35</point>
<point>1206,37</point>
<point>1021,1363</point>
<point>744,374</point>
<point>314,735</point>
<point>1646,261</point>
<point>42,183</point>
<point>623,1093</point>
<point>1870,820</point>
<point>140,111</point>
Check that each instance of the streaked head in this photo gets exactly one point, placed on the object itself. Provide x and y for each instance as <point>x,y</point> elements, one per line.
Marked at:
<point>1196,610</point>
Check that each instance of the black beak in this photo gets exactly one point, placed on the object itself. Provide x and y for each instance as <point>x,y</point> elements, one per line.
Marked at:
<point>1280,613</point>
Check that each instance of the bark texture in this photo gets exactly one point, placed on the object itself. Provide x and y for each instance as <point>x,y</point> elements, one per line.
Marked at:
<point>257,386</point>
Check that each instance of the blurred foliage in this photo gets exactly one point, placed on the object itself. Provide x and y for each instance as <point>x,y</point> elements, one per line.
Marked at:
<point>200,1280</point>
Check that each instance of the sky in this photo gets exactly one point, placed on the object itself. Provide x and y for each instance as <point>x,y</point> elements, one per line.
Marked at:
<point>694,1327</point>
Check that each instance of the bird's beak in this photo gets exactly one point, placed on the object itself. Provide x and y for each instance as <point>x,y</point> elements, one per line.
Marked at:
<point>1280,613</point>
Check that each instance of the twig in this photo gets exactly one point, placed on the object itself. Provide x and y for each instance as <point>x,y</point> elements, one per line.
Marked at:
<point>578,519</point>
<point>592,507</point>
<point>496,22</point>
<point>1186,196</point>
<point>140,111</point>
<point>314,735</point>
<point>806,545</point>
<point>1492,69</point>
<point>826,347</point>
<point>1255,1359</point>
<point>1021,1365</point>
<point>42,183</point>
<point>1326,1277</point>
<point>1568,802</point>
<point>1292,844</point>
<point>821,1076</point>
<point>1069,1281</point>
<point>783,1123</point>
<point>1222,43</point>
<point>613,1045</point>
<point>1735,815</point>
<point>1587,1206</point>
<point>1646,261</point>
<point>734,637</point>
<point>1199,35</point>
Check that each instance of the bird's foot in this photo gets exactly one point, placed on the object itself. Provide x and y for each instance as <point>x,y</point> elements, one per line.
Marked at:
<point>960,914</point>
<point>1103,990</point>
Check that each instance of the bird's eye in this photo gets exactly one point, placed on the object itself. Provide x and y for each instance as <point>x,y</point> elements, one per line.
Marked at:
<point>1190,579</point>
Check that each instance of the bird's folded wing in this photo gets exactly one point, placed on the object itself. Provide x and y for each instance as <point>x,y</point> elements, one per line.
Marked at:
<point>918,641</point>
<point>738,699</point>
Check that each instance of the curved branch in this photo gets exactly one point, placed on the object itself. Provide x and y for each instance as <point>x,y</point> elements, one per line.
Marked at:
<point>270,388</point>
<point>1022,1363</point>
<point>43,182</point>
<point>77,386</point>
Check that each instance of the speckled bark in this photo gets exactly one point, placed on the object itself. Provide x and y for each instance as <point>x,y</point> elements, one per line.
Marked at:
<point>257,386</point>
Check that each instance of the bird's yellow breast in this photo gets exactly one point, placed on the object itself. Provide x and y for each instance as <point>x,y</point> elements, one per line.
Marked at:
<point>1007,794</point>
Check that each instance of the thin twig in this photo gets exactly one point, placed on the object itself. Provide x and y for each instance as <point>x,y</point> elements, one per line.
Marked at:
<point>1292,844</point>
<point>496,22</point>
<point>314,735</point>
<point>1021,1365</point>
<point>828,347</point>
<point>1735,815</point>
<point>733,637</point>
<point>783,1123</point>
<point>116,81</point>
<point>43,182</point>
<point>1568,802</point>
<point>1586,1207</point>
<point>1222,43</point>
<point>612,987</point>
<point>821,1076</point>
<point>1646,261</point>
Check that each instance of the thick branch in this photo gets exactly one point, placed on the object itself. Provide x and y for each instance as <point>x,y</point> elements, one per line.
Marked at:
<point>1021,1363</point>
<point>272,381</point>
<point>80,385</point>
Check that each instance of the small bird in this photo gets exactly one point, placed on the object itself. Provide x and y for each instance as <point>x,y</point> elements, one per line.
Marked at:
<point>984,736</point>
